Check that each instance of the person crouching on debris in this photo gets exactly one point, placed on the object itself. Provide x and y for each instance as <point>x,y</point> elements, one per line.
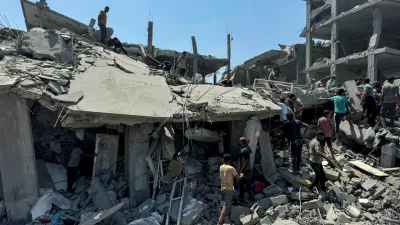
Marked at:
<point>227,175</point>
<point>316,154</point>
<point>245,168</point>
<point>368,102</point>
<point>292,130</point>
<point>117,45</point>
<point>390,101</point>
<point>73,165</point>
<point>102,22</point>
<point>325,125</point>
<point>341,109</point>
<point>182,64</point>
<point>295,105</point>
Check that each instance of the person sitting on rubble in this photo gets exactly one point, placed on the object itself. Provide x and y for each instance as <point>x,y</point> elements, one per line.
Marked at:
<point>331,83</point>
<point>274,75</point>
<point>316,153</point>
<point>295,105</point>
<point>117,45</point>
<point>73,164</point>
<point>227,175</point>
<point>292,131</point>
<point>102,22</point>
<point>390,102</point>
<point>368,102</point>
<point>325,125</point>
<point>245,168</point>
<point>319,84</point>
<point>166,65</point>
<point>182,64</point>
<point>341,109</point>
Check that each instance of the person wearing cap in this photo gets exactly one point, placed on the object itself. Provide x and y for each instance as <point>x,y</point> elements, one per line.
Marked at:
<point>227,175</point>
<point>182,64</point>
<point>331,83</point>
<point>245,168</point>
<point>390,101</point>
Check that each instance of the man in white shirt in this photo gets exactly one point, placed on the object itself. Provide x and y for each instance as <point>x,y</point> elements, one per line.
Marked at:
<point>182,64</point>
<point>284,109</point>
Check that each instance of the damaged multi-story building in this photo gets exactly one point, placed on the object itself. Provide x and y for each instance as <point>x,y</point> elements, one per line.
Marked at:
<point>363,35</point>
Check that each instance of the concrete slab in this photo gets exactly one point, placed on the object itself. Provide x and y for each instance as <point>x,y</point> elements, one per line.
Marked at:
<point>41,206</point>
<point>98,217</point>
<point>191,211</point>
<point>58,174</point>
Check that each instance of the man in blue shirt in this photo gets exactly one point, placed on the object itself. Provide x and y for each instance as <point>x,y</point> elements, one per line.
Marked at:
<point>331,83</point>
<point>341,108</point>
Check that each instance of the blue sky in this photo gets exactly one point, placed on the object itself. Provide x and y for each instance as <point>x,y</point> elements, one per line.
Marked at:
<point>256,25</point>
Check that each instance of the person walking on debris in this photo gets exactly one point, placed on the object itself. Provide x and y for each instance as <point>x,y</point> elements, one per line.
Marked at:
<point>182,64</point>
<point>316,154</point>
<point>325,125</point>
<point>227,175</point>
<point>245,168</point>
<point>292,129</point>
<point>331,83</point>
<point>295,105</point>
<point>102,22</point>
<point>117,45</point>
<point>341,109</point>
<point>368,102</point>
<point>390,102</point>
<point>73,165</point>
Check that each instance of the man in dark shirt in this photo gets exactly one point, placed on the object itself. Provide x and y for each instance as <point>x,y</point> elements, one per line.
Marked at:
<point>118,47</point>
<point>292,131</point>
<point>245,168</point>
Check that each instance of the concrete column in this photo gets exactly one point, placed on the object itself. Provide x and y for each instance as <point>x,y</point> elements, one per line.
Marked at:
<point>267,156</point>
<point>308,40</point>
<point>138,170</point>
<point>372,72</point>
<point>377,29</point>
<point>17,158</point>
<point>334,38</point>
<point>195,55</point>
<point>150,39</point>
<point>228,42</point>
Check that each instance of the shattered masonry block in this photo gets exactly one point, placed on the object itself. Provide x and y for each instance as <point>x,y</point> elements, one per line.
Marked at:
<point>257,209</point>
<point>378,193</point>
<point>346,197</point>
<point>313,204</point>
<point>279,200</point>
<point>284,154</point>
<point>237,211</point>
<point>252,219</point>
<point>272,190</point>
<point>331,175</point>
<point>353,211</point>
<point>368,184</point>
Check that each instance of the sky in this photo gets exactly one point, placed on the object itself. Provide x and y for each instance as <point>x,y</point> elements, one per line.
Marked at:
<point>256,26</point>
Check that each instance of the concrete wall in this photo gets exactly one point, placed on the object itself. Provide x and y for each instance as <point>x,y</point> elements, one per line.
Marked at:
<point>17,158</point>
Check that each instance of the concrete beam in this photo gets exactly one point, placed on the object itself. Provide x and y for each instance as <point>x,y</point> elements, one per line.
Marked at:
<point>138,171</point>
<point>377,29</point>
<point>150,38</point>
<point>17,158</point>
<point>334,37</point>
<point>195,53</point>
<point>309,43</point>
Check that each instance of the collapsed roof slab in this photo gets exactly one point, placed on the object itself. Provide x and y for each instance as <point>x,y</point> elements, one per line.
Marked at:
<point>357,20</point>
<point>266,58</point>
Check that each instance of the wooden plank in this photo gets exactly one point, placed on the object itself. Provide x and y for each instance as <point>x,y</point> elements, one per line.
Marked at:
<point>368,168</point>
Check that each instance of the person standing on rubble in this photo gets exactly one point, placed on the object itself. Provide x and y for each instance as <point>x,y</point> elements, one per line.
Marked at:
<point>182,64</point>
<point>341,103</point>
<point>325,125</point>
<point>368,102</point>
<point>102,22</point>
<point>73,165</point>
<point>316,153</point>
<point>292,130</point>
<point>295,105</point>
<point>245,168</point>
<point>390,102</point>
<point>227,175</point>
<point>274,75</point>
<point>331,83</point>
